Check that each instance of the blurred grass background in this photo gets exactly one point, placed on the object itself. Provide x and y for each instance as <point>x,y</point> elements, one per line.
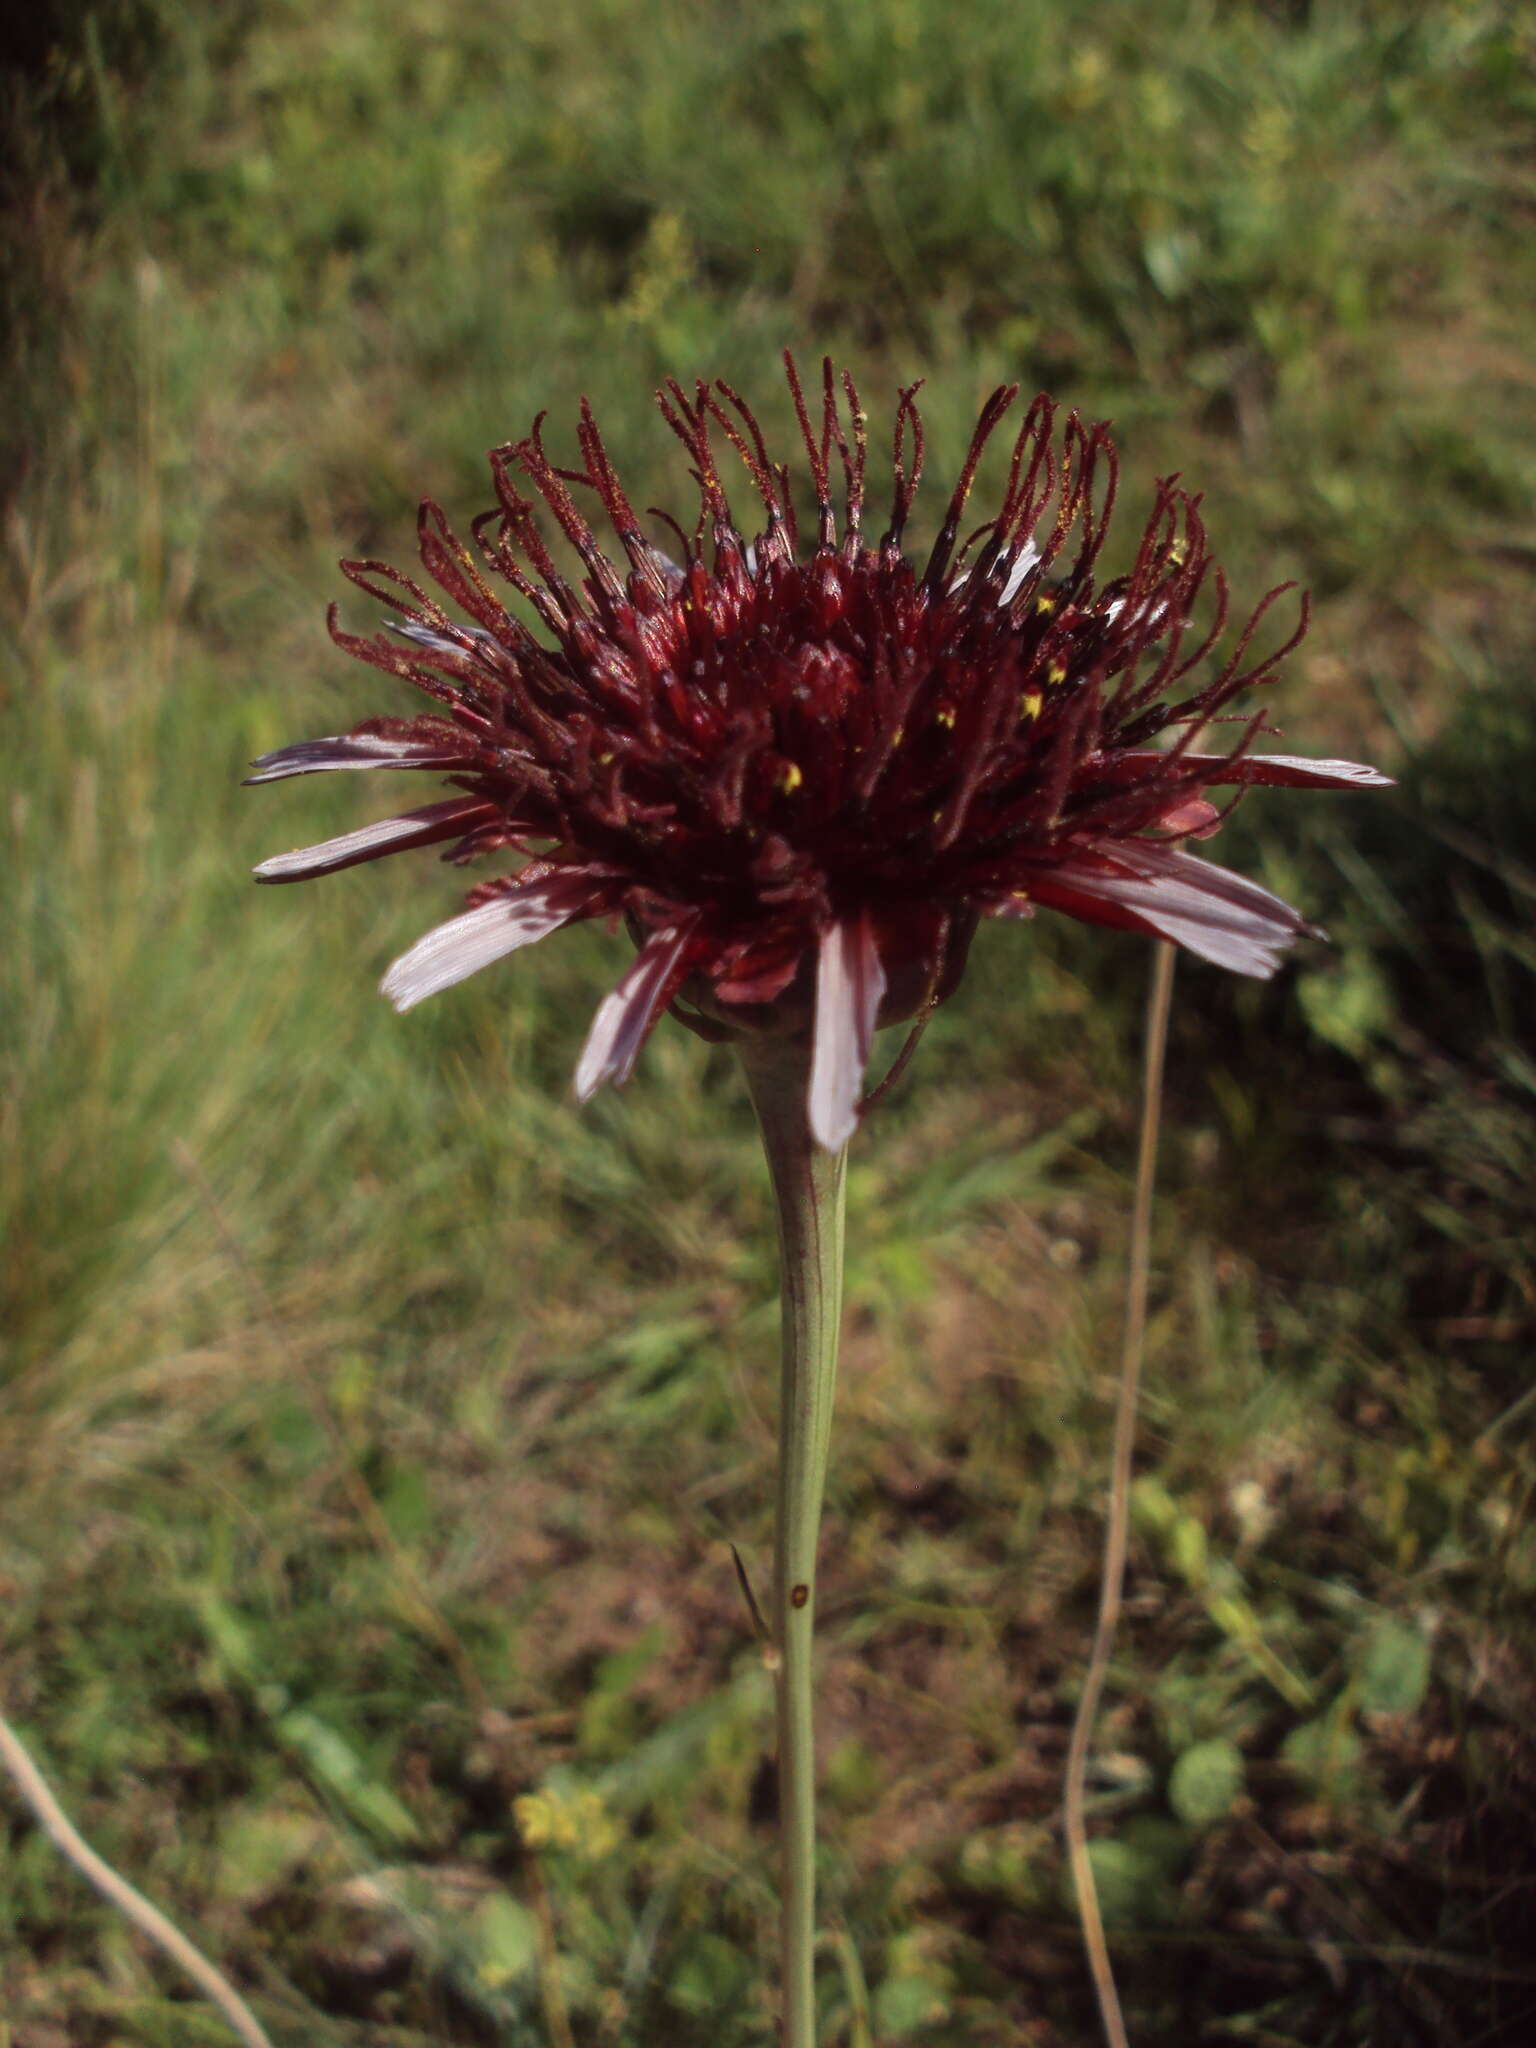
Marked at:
<point>375,1425</point>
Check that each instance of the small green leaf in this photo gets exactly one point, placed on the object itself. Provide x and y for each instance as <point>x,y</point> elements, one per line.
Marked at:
<point>260,1848</point>
<point>335,1764</point>
<point>1349,1004</point>
<point>1121,1878</point>
<point>1153,1506</point>
<point>407,1504</point>
<point>1172,257</point>
<point>1206,1782</point>
<point>904,2004</point>
<point>1322,1750</point>
<point>1189,1550</point>
<point>1136,1873</point>
<point>711,1977</point>
<point>1393,1674</point>
<point>506,1941</point>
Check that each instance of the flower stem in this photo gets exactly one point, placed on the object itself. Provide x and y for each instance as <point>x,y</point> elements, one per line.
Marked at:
<point>808,1186</point>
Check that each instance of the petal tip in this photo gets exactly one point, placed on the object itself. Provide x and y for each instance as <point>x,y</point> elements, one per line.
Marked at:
<point>850,983</point>
<point>396,990</point>
<point>829,1135</point>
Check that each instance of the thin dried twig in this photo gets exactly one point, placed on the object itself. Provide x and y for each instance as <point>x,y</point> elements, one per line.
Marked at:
<point>1117,1530</point>
<point>117,1891</point>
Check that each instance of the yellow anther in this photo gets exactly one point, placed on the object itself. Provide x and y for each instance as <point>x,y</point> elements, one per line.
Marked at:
<point>1057,672</point>
<point>790,778</point>
<point>944,716</point>
<point>1045,603</point>
<point>1029,704</point>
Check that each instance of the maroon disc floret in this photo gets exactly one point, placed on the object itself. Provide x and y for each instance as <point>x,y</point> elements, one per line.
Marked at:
<point>800,767</point>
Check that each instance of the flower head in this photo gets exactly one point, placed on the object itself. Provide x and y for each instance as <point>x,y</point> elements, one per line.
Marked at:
<point>800,768</point>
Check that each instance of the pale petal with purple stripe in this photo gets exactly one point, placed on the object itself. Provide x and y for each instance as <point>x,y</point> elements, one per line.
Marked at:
<point>433,822</point>
<point>357,750</point>
<point>850,983</point>
<point>625,1016</point>
<point>1209,911</point>
<point>1281,771</point>
<point>452,952</point>
<point>431,641</point>
<point>1012,577</point>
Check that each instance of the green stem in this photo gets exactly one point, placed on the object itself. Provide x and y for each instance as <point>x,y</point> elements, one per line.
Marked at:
<point>808,1188</point>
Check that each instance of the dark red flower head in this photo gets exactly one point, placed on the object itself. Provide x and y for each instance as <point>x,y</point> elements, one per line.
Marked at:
<point>801,767</point>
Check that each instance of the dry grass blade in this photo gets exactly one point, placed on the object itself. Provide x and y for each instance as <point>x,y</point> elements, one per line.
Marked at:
<point>1117,1531</point>
<point>117,1891</point>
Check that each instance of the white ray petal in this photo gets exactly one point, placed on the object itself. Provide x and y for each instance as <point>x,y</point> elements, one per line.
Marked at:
<point>1250,951</point>
<point>356,750</point>
<point>1013,583</point>
<point>1171,867</point>
<point>850,983</point>
<point>415,828</point>
<point>626,1014</point>
<point>1355,774</point>
<point>453,951</point>
<point>1280,770</point>
<point>1029,555</point>
<point>441,643</point>
<point>1222,917</point>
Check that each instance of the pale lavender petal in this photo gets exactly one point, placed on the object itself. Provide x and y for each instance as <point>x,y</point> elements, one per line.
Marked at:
<point>849,985</point>
<point>1157,617</point>
<point>388,835</point>
<point>1223,917</point>
<point>1150,857</point>
<point>1013,582</point>
<point>625,1016</point>
<point>1252,948</point>
<point>1297,771</point>
<point>1028,556</point>
<point>441,643</point>
<point>453,951</point>
<point>1293,771</point>
<point>358,750</point>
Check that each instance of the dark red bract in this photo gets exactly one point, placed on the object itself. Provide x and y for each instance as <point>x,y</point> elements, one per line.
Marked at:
<point>801,772</point>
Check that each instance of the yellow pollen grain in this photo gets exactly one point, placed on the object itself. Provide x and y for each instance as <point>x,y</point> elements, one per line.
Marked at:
<point>1029,704</point>
<point>790,778</point>
<point>1057,672</point>
<point>944,717</point>
<point>1045,603</point>
<point>1019,895</point>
